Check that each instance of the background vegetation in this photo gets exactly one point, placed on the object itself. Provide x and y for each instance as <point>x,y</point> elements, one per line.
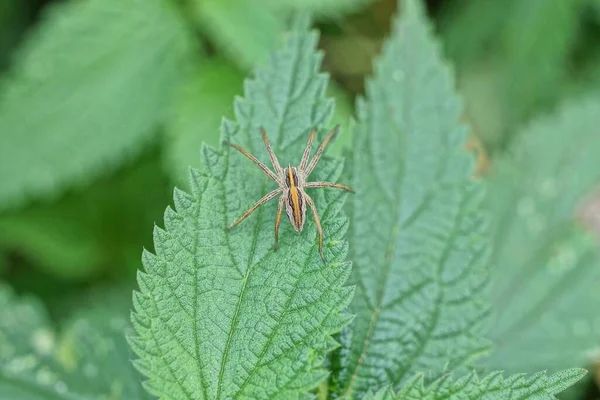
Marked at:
<point>105,103</point>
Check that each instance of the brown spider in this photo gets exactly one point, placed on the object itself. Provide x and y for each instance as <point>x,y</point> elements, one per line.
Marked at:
<point>292,182</point>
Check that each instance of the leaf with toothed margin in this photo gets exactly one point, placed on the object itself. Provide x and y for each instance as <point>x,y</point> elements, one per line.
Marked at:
<point>88,360</point>
<point>385,393</point>
<point>418,235</point>
<point>219,314</point>
<point>538,386</point>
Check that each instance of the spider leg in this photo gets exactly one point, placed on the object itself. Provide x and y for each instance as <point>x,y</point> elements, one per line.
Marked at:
<point>278,220</point>
<point>259,203</point>
<point>260,165</point>
<point>328,184</point>
<point>272,155</point>
<point>320,150</point>
<point>306,154</point>
<point>311,203</point>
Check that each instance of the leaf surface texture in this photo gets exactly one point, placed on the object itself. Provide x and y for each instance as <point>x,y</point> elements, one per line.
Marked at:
<point>219,314</point>
<point>417,238</point>
<point>538,386</point>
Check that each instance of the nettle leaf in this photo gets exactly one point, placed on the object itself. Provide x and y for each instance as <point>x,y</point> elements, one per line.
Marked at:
<point>86,92</point>
<point>382,394</point>
<point>88,360</point>
<point>417,236</point>
<point>196,115</point>
<point>203,101</point>
<point>516,387</point>
<point>579,389</point>
<point>546,275</point>
<point>219,314</point>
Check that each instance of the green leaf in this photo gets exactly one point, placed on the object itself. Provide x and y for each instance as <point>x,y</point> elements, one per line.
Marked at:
<point>344,112</point>
<point>320,7</point>
<point>385,393</point>
<point>579,390</point>
<point>470,28</point>
<point>538,386</point>
<point>537,42</point>
<point>86,93</point>
<point>13,22</point>
<point>100,229</point>
<point>545,283</point>
<point>417,238</point>
<point>4,263</point>
<point>245,30</point>
<point>524,49</point>
<point>201,104</point>
<point>219,314</point>
<point>89,360</point>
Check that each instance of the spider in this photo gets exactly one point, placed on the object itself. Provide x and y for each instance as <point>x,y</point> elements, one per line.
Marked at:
<point>292,182</point>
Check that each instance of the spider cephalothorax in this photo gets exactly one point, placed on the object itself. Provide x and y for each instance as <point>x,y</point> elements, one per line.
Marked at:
<point>292,182</point>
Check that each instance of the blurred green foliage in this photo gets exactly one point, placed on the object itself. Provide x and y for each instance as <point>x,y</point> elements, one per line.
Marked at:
<point>103,109</point>
<point>86,355</point>
<point>196,114</point>
<point>515,58</point>
<point>70,115</point>
<point>91,231</point>
<point>547,280</point>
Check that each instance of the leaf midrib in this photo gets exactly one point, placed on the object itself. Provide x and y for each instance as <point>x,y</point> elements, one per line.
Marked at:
<point>398,225</point>
<point>249,267</point>
<point>278,325</point>
<point>236,314</point>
